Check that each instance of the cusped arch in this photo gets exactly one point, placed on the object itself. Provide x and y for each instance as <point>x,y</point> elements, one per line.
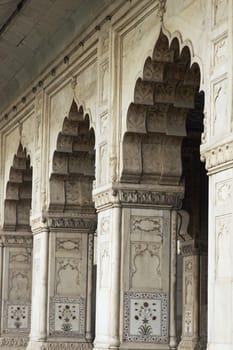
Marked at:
<point>18,196</point>
<point>73,164</point>
<point>86,110</point>
<point>165,97</point>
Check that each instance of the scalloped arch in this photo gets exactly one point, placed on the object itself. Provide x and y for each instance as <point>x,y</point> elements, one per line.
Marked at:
<point>18,193</point>
<point>73,164</point>
<point>86,110</point>
<point>165,97</point>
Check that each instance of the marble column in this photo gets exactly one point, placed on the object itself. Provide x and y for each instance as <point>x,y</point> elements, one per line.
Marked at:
<point>62,282</point>
<point>135,279</point>
<point>39,286</point>
<point>220,270</point>
<point>108,278</point>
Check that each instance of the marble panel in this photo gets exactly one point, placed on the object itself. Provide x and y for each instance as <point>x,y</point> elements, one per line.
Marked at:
<point>17,317</point>
<point>145,317</point>
<point>67,316</point>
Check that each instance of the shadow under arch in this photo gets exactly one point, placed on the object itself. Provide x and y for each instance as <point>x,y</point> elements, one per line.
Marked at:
<point>17,204</point>
<point>73,167</point>
<point>156,120</point>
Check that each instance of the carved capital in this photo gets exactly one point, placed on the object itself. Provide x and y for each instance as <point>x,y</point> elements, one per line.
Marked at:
<point>193,247</point>
<point>78,223</point>
<point>156,198</point>
<point>85,221</point>
<point>218,157</point>
<point>135,197</point>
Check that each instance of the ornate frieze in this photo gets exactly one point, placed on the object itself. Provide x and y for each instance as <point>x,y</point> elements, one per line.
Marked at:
<point>149,197</point>
<point>16,342</point>
<point>218,156</point>
<point>16,240</point>
<point>138,197</point>
<point>73,223</point>
<point>66,346</point>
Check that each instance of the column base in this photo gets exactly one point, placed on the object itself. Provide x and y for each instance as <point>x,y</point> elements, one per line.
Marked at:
<point>189,345</point>
<point>13,343</point>
<point>146,346</point>
<point>38,345</point>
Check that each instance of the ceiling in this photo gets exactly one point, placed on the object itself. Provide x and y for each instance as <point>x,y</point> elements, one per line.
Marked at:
<point>33,32</point>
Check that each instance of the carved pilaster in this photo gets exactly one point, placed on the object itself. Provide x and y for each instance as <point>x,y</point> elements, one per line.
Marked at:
<point>63,265</point>
<point>16,278</point>
<point>194,331</point>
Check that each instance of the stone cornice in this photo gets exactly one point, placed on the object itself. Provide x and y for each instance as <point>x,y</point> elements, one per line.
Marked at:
<point>59,221</point>
<point>160,198</point>
<point>16,239</point>
<point>218,157</point>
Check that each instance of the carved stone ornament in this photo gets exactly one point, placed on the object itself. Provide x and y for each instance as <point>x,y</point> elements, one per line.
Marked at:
<point>171,199</point>
<point>9,240</point>
<point>69,222</point>
<point>162,9</point>
<point>66,346</point>
<point>15,342</point>
<point>217,156</point>
<point>192,247</point>
<point>135,197</point>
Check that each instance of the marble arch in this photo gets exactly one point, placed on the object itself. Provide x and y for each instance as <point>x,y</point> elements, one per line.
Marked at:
<point>161,152</point>
<point>18,193</point>
<point>72,223</point>
<point>156,120</point>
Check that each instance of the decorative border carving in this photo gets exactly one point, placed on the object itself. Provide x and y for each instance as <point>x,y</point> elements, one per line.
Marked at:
<point>218,156</point>
<point>77,223</point>
<point>15,342</point>
<point>171,199</point>
<point>164,317</point>
<point>66,346</point>
<point>16,240</point>
<point>136,197</point>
